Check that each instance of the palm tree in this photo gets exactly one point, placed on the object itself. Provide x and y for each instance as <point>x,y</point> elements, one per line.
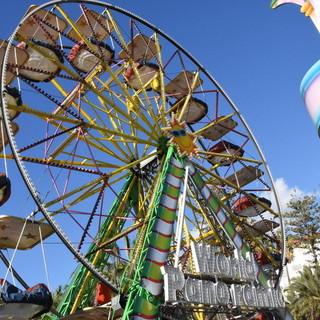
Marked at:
<point>303,294</point>
<point>58,294</point>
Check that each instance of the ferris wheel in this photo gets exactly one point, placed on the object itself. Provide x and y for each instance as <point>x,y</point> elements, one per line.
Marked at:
<point>141,164</point>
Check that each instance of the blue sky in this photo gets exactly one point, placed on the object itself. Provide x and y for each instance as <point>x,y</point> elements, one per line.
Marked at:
<point>257,54</point>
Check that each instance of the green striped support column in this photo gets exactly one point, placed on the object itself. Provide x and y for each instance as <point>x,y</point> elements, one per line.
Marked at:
<point>223,219</point>
<point>144,298</point>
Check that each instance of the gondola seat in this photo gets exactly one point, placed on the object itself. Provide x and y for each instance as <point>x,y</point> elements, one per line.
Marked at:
<point>194,110</point>
<point>140,47</point>
<point>246,207</point>
<point>146,72</point>
<point>220,127</point>
<point>183,84</point>
<point>28,304</point>
<point>39,67</point>
<point>85,60</point>
<point>244,176</point>
<point>226,150</point>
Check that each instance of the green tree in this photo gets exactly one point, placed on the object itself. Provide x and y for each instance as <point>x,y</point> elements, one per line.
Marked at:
<point>58,294</point>
<point>303,221</point>
<point>303,294</point>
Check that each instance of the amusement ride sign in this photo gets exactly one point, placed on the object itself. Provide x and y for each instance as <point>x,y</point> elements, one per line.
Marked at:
<point>221,281</point>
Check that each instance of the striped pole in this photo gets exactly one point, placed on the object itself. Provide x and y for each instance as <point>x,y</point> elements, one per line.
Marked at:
<point>160,240</point>
<point>224,221</point>
<point>143,300</point>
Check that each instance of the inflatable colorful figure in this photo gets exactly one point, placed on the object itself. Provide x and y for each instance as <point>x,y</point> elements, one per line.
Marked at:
<point>310,84</point>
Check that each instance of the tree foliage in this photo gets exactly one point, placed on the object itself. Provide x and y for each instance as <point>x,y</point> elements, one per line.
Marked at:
<point>303,221</point>
<point>303,294</point>
<point>57,295</point>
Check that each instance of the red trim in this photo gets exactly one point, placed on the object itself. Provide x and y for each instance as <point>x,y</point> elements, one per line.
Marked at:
<point>162,234</point>
<point>175,176</point>
<point>167,208</point>
<point>172,185</point>
<point>152,280</point>
<point>174,165</point>
<point>157,262</point>
<point>144,316</point>
<point>167,221</point>
<point>168,195</point>
<point>210,195</point>
<point>156,248</point>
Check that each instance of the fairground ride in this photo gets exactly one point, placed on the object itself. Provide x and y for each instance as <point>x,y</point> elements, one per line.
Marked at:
<point>143,167</point>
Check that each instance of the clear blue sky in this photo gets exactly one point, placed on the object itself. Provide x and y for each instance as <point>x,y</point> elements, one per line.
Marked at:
<point>257,54</point>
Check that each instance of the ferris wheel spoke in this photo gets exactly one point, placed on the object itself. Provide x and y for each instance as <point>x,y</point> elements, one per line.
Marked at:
<point>89,192</point>
<point>132,99</point>
<point>89,185</point>
<point>43,53</point>
<point>120,40</point>
<point>202,221</point>
<point>46,115</point>
<point>219,127</point>
<point>74,27</point>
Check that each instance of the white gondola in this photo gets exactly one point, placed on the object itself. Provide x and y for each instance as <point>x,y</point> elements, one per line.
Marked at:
<point>16,56</point>
<point>13,98</point>
<point>180,86</point>
<point>260,227</point>
<point>192,110</point>
<point>220,127</point>
<point>88,23</point>
<point>263,226</point>
<point>31,27</point>
<point>16,304</point>
<point>11,228</point>
<point>244,176</point>
<point>141,47</point>
<point>246,207</point>
<point>146,71</point>
<point>226,151</point>
<point>47,69</point>
<point>85,60</point>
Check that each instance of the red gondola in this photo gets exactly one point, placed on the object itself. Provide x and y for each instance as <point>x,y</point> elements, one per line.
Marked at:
<point>218,128</point>
<point>85,60</point>
<point>146,72</point>
<point>227,150</point>
<point>247,207</point>
<point>193,110</point>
